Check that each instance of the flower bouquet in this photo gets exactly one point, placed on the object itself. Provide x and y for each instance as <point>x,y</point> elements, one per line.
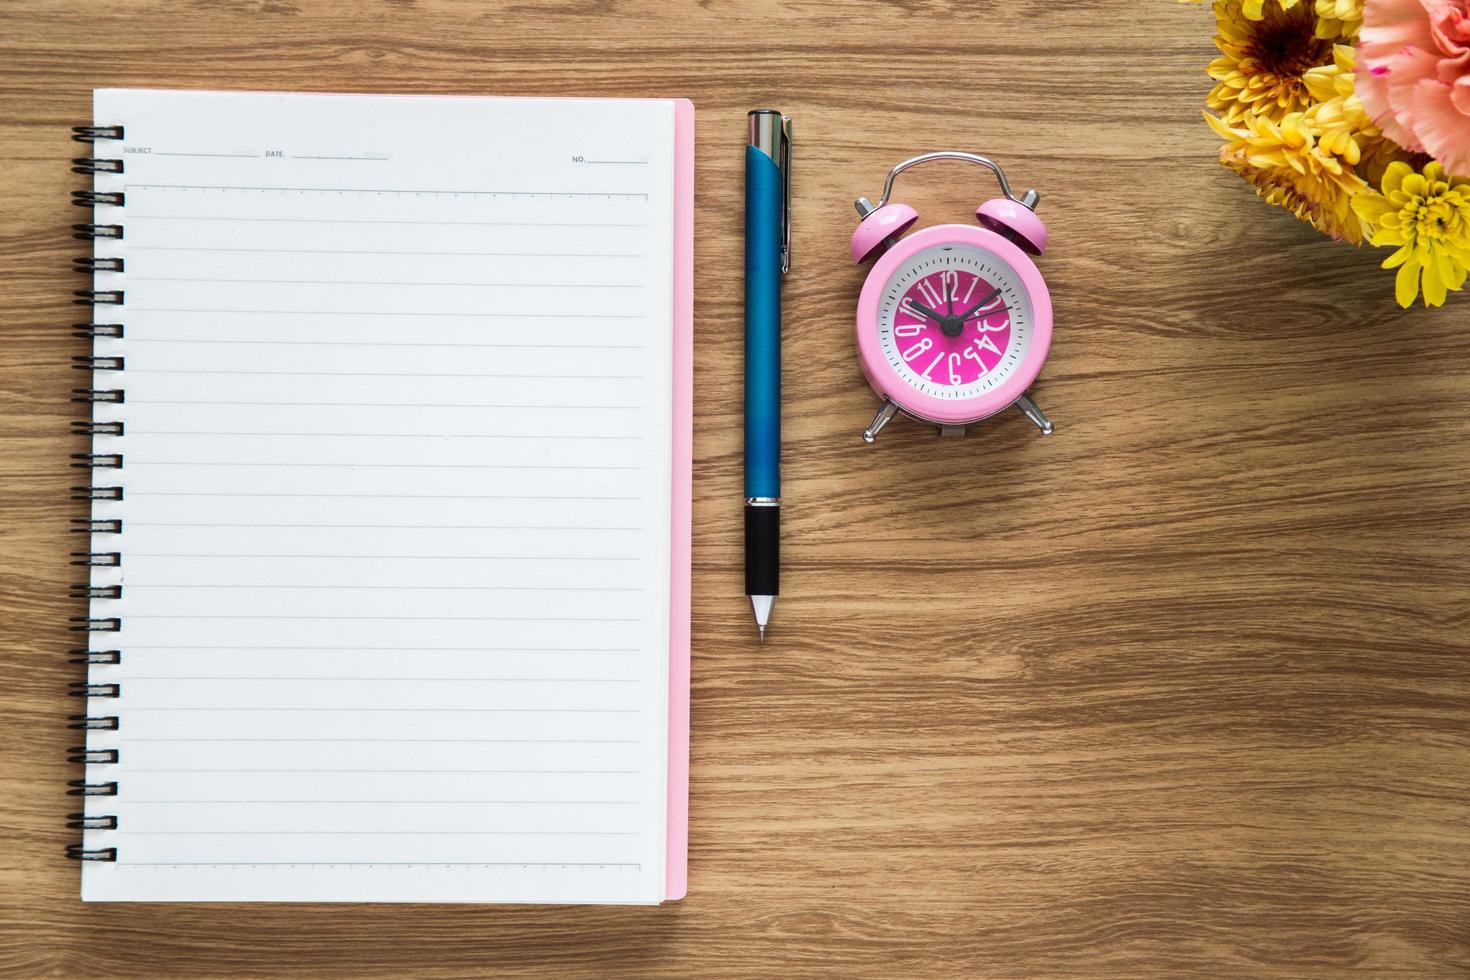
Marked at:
<point>1354,115</point>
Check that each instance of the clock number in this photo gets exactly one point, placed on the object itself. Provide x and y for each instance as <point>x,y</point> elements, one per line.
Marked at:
<point>928,372</point>
<point>950,280</point>
<point>908,329</point>
<point>906,305</point>
<point>985,343</point>
<point>915,350</point>
<point>984,325</point>
<point>954,369</point>
<point>931,297</point>
<point>974,281</point>
<point>971,354</point>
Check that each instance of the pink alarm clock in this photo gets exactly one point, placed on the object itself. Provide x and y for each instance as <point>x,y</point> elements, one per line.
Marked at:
<point>954,321</point>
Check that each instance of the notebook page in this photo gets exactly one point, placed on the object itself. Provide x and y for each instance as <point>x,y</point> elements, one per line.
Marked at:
<point>395,549</point>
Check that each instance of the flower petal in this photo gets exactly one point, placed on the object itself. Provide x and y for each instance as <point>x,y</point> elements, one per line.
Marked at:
<point>1441,127</point>
<point>1398,258</point>
<point>1393,177</point>
<point>1222,130</point>
<point>1456,277</point>
<point>1406,284</point>
<point>1461,94</point>
<point>1390,26</point>
<point>1371,87</point>
<point>1405,71</point>
<point>1434,287</point>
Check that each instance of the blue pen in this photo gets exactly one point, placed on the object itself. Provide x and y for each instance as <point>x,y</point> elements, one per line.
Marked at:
<point>767,259</point>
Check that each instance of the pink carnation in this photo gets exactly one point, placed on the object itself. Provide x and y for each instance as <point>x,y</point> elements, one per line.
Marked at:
<point>1413,75</point>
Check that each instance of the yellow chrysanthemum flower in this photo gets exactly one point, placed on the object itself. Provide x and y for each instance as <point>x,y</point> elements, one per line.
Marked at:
<point>1335,18</point>
<point>1255,9</point>
<point>1292,165</point>
<point>1338,18</point>
<point>1427,215</point>
<point>1335,79</point>
<point>1338,113</point>
<point>1264,59</point>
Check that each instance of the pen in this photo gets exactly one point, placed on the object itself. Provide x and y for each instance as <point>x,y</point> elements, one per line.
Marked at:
<point>767,259</point>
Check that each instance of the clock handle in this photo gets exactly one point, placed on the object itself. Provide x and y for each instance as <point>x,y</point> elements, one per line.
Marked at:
<point>1033,411</point>
<point>884,416</point>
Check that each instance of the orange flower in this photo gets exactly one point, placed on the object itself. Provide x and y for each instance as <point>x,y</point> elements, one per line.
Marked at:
<point>1264,59</point>
<point>1297,167</point>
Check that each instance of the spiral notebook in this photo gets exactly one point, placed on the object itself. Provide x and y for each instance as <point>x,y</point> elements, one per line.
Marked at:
<point>389,479</point>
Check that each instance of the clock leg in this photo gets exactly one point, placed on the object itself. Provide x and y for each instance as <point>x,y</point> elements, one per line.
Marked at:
<point>884,416</point>
<point>1033,412</point>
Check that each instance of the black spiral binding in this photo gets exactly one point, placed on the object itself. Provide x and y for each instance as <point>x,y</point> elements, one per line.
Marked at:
<point>91,331</point>
<point>92,462</point>
<point>91,134</point>
<point>90,264</point>
<point>92,232</point>
<point>90,199</point>
<point>95,165</point>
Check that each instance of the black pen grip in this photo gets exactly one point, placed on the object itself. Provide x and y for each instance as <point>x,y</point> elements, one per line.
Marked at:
<point>762,550</point>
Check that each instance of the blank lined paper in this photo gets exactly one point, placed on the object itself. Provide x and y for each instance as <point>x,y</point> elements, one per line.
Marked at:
<point>395,559</point>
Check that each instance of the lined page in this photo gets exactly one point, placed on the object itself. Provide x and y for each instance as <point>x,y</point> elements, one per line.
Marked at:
<point>395,546</point>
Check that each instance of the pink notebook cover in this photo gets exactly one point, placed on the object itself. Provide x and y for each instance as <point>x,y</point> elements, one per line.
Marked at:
<point>677,865</point>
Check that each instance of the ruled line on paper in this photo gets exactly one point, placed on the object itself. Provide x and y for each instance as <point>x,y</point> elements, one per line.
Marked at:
<point>434,710</point>
<point>415,649</point>
<point>354,251</point>
<point>195,401</point>
<point>398,619</point>
<point>233,156</point>
<point>360,832</point>
<point>435,772</point>
<point>388,466</point>
<point>395,313</point>
<point>400,741</point>
<point>394,588</point>
<point>415,527</point>
<point>310,156</point>
<point>375,373</point>
<point>388,496</point>
<point>398,588</point>
<point>604,865</point>
<point>364,680</point>
<point>388,221</point>
<point>408,802</point>
<point>397,191</point>
<point>442,436</point>
<point>388,282</point>
<point>142,554</point>
<point>374,343</point>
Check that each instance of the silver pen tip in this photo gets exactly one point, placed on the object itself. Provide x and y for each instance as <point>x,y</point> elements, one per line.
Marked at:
<point>763,633</point>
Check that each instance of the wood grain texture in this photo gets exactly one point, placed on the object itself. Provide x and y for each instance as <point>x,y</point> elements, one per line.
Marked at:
<point>1180,690</point>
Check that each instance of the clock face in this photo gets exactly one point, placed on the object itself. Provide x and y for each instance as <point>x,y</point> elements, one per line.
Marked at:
<point>954,320</point>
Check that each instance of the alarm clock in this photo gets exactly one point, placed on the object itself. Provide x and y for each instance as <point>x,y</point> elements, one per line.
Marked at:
<point>954,321</point>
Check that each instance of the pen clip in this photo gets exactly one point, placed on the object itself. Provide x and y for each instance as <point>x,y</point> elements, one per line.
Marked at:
<point>785,165</point>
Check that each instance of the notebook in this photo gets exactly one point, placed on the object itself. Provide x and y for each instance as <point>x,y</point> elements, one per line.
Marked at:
<point>389,482</point>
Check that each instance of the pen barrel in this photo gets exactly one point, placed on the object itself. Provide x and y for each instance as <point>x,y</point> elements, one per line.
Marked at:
<point>762,550</point>
<point>763,236</point>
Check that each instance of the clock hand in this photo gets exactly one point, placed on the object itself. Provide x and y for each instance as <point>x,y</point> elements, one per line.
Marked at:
<point>968,313</point>
<point>916,305</point>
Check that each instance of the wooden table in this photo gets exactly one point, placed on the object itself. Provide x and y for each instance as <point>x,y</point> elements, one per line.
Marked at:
<point>1182,688</point>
